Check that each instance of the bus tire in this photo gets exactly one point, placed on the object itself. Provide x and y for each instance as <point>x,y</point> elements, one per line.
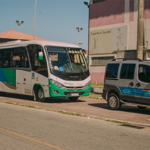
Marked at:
<point>40,95</point>
<point>73,99</point>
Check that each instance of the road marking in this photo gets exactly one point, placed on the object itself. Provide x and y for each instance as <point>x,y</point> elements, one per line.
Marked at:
<point>31,139</point>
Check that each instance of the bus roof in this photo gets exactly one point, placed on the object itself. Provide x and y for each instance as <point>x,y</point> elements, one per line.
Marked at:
<point>19,43</point>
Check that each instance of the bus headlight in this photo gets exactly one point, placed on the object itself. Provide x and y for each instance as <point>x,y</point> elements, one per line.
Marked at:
<point>57,84</point>
<point>87,84</point>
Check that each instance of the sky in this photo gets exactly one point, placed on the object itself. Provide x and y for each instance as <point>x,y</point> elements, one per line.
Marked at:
<point>56,20</point>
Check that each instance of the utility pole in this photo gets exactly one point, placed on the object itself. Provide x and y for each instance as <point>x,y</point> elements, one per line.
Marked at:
<point>140,33</point>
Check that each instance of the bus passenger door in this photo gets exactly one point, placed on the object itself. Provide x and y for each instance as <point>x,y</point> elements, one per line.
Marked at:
<point>39,66</point>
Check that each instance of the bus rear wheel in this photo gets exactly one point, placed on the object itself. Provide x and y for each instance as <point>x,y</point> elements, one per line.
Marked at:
<point>73,99</point>
<point>40,95</point>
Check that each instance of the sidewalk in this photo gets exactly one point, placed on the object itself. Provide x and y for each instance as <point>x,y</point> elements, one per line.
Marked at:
<point>97,88</point>
<point>91,107</point>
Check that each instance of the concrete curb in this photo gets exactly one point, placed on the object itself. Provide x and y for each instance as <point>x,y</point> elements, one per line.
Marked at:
<point>97,90</point>
<point>101,118</point>
<point>83,115</point>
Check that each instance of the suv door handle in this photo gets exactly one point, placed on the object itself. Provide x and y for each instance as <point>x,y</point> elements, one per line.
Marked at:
<point>138,84</point>
<point>131,84</point>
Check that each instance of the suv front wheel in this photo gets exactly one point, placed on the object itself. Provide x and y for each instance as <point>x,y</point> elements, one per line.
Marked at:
<point>113,102</point>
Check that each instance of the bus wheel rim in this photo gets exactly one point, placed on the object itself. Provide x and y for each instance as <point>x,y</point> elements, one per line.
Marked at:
<point>40,94</point>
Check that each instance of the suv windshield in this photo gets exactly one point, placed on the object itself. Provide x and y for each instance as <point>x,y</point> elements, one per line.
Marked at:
<point>68,61</point>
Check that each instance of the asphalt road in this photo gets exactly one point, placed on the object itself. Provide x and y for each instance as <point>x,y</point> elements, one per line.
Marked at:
<point>87,106</point>
<point>24,128</point>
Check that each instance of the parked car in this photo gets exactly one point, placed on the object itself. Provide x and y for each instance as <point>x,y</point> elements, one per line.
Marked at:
<point>127,82</point>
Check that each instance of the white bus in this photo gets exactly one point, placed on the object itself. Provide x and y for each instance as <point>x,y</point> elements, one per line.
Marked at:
<point>44,69</point>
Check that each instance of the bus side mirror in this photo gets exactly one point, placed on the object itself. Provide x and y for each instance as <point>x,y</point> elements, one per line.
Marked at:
<point>40,55</point>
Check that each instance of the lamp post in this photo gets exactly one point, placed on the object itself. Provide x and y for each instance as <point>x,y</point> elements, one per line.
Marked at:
<point>80,44</point>
<point>88,5</point>
<point>79,29</point>
<point>19,24</point>
<point>34,17</point>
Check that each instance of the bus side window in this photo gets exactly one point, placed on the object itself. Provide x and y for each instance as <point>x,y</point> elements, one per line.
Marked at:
<point>5,58</point>
<point>37,65</point>
<point>19,58</point>
<point>1,59</point>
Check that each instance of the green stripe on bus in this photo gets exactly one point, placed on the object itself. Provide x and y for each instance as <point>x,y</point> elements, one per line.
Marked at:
<point>10,75</point>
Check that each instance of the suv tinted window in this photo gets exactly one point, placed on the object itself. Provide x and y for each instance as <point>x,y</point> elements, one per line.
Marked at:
<point>144,73</point>
<point>127,71</point>
<point>112,70</point>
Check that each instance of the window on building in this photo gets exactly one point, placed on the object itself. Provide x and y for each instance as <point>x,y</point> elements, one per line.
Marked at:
<point>112,70</point>
<point>96,1</point>
<point>144,73</point>
<point>14,58</point>
<point>127,71</point>
<point>101,61</point>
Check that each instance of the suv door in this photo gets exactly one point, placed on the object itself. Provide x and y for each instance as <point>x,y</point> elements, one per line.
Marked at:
<point>142,89</point>
<point>127,82</point>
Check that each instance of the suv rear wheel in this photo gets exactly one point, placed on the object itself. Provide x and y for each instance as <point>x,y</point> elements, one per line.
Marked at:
<point>113,101</point>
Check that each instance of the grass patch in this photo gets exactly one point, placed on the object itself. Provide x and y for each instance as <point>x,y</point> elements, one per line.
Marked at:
<point>95,96</point>
<point>29,106</point>
<point>9,103</point>
<point>118,122</point>
<point>71,113</point>
<point>126,124</point>
<point>98,84</point>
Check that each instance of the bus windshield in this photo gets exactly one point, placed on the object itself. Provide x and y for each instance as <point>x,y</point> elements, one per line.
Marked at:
<point>66,60</point>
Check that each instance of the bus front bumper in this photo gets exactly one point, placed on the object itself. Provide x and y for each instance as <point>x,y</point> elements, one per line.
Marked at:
<point>55,91</point>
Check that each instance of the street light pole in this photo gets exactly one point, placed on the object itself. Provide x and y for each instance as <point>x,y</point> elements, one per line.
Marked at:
<point>34,17</point>
<point>79,29</point>
<point>88,5</point>
<point>19,24</point>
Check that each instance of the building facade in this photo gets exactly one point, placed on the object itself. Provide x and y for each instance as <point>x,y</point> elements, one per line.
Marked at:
<point>113,26</point>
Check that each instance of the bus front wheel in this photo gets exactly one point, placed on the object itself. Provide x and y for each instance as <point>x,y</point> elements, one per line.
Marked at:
<point>73,99</point>
<point>39,95</point>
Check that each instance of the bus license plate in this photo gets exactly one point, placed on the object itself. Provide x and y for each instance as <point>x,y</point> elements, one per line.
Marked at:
<point>74,94</point>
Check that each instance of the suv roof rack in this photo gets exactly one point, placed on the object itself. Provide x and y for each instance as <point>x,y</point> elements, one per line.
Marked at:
<point>125,59</point>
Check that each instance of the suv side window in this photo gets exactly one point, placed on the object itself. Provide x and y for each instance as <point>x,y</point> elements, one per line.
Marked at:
<point>127,71</point>
<point>144,73</point>
<point>112,70</point>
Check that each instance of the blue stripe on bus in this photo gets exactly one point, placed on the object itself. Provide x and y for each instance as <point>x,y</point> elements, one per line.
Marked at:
<point>2,76</point>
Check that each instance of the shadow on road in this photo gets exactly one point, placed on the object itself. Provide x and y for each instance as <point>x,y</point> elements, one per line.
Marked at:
<point>125,108</point>
<point>61,100</point>
<point>48,100</point>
